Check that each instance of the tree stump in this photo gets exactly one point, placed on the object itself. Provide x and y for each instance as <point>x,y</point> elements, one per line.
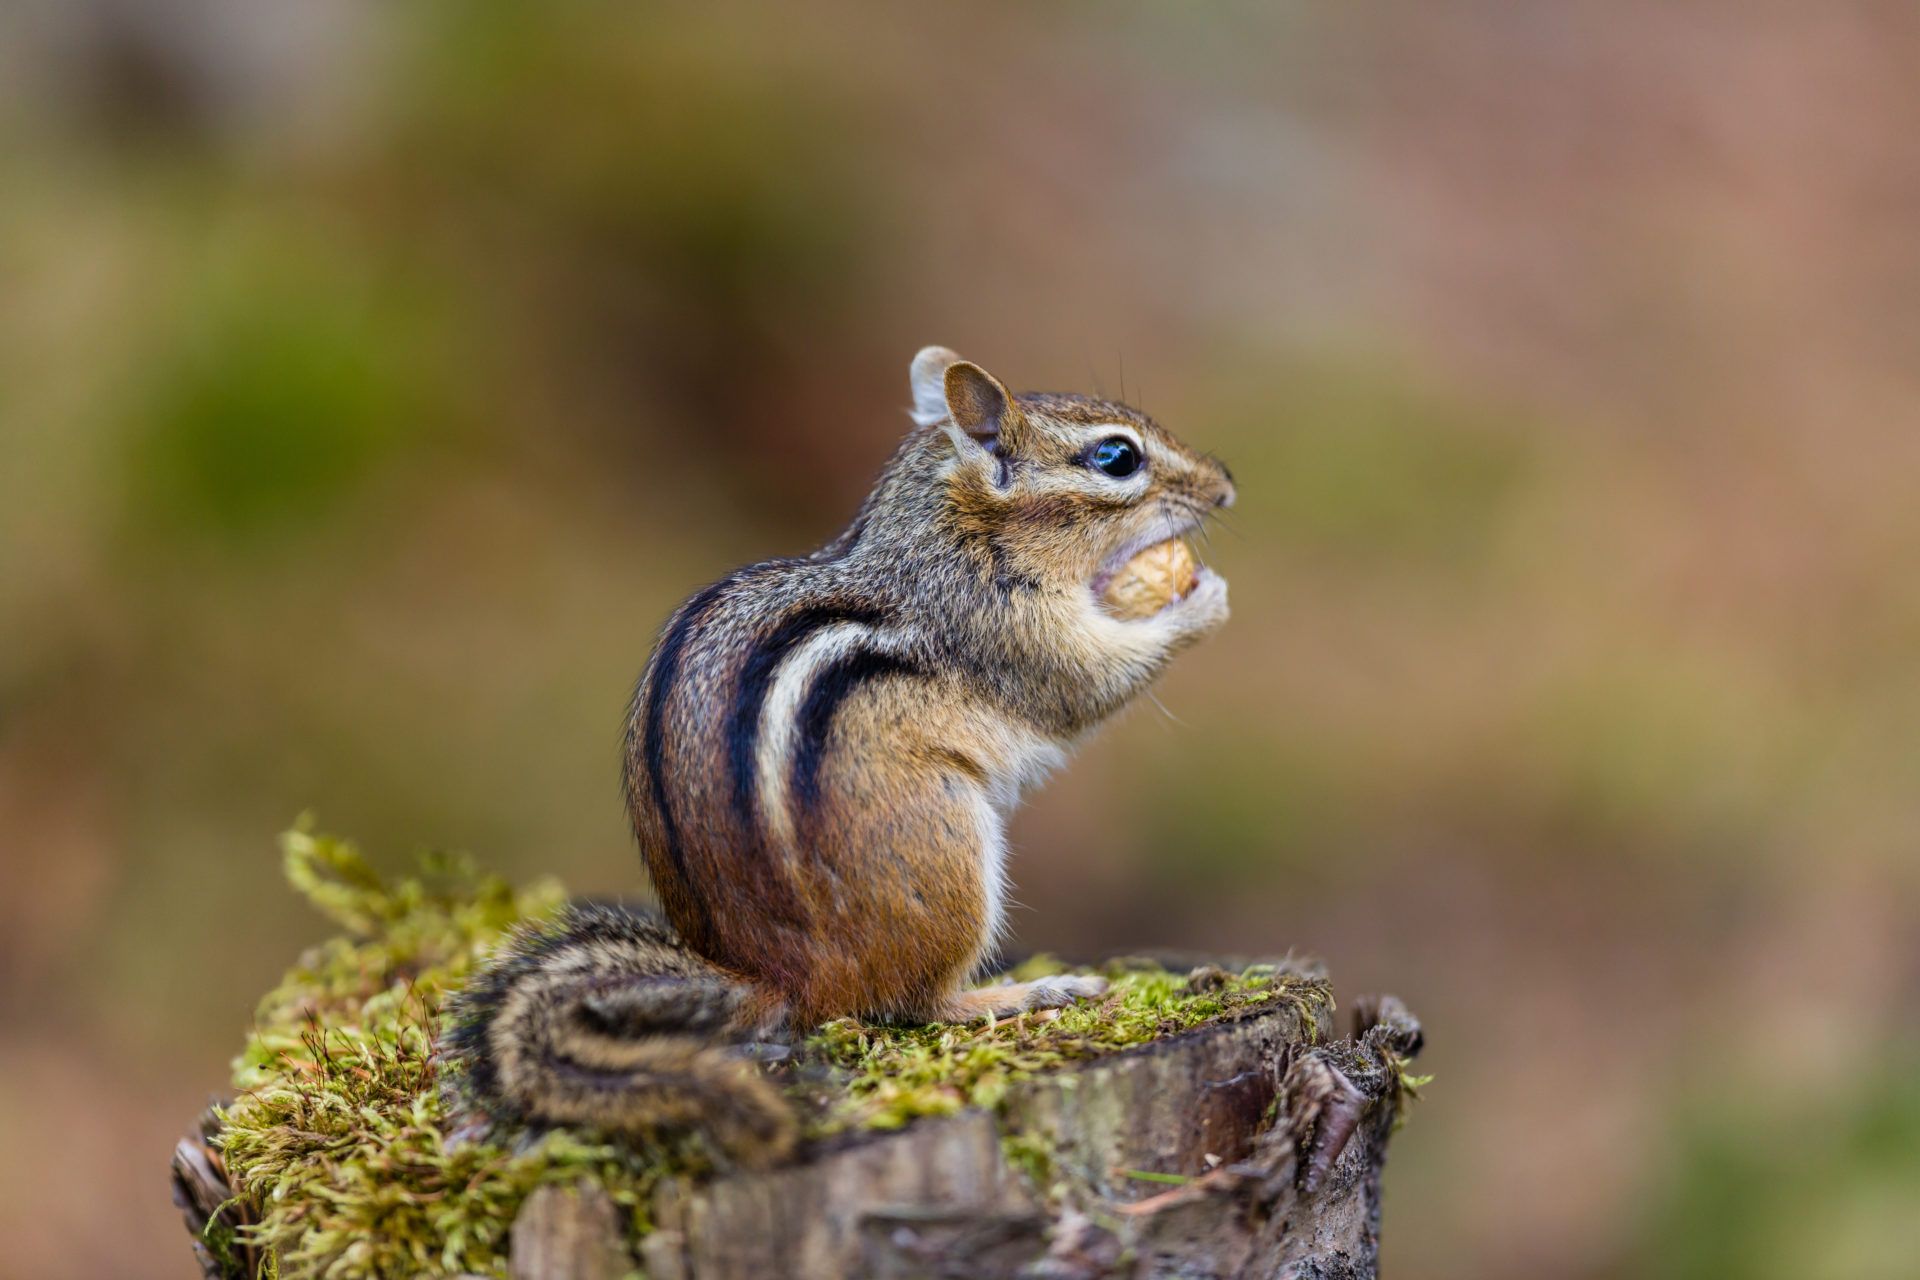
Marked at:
<point>1248,1147</point>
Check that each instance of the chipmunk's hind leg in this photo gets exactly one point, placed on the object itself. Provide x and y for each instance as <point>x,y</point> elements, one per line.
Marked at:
<point>1020,997</point>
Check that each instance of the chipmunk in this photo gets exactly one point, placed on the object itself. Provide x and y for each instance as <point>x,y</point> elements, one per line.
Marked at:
<point>821,757</point>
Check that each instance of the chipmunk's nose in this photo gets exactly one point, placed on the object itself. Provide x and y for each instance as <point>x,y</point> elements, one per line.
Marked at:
<point>1224,493</point>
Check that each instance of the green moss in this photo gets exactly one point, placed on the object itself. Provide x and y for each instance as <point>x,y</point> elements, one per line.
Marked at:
<point>894,1074</point>
<point>336,1141</point>
<point>348,1166</point>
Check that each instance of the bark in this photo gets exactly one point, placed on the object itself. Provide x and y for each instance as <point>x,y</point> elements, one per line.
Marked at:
<point>569,1231</point>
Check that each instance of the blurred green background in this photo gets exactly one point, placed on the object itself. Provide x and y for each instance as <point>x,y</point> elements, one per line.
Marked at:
<point>375,378</point>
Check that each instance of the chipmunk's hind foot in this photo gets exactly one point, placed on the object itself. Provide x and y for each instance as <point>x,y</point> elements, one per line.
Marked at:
<point>1056,992</point>
<point>1064,989</point>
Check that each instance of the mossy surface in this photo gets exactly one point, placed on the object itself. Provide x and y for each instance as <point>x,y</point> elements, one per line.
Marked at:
<point>886,1076</point>
<point>348,1163</point>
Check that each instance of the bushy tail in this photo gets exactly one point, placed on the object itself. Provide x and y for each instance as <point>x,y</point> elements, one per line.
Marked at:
<point>608,1021</point>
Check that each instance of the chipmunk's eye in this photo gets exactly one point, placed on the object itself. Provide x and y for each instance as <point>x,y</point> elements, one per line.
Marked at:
<point>1116,456</point>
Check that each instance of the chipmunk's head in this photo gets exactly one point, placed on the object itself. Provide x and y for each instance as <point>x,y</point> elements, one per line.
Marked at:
<point>1068,489</point>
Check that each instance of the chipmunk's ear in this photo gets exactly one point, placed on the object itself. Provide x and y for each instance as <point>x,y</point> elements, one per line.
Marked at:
<point>979,405</point>
<point>964,399</point>
<point>928,374</point>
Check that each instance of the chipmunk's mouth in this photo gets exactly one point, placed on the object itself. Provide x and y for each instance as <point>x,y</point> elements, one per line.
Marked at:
<point>1147,575</point>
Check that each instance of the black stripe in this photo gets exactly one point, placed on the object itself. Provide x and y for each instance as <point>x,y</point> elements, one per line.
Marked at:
<point>666,670</point>
<point>833,686</point>
<point>756,681</point>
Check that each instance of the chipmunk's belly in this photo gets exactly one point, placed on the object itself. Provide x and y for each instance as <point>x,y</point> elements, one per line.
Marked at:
<point>1023,761</point>
<point>1018,761</point>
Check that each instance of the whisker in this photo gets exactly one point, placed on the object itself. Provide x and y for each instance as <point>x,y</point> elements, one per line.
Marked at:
<point>1221,518</point>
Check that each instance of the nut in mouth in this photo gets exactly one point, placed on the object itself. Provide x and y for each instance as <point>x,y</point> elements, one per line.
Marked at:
<point>1148,578</point>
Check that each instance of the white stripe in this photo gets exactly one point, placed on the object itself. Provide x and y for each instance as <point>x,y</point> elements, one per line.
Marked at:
<point>779,732</point>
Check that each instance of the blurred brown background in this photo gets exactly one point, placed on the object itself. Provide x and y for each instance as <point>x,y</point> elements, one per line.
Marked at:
<point>375,378</point>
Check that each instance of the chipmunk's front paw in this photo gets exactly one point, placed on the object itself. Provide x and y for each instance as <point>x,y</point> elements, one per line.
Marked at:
<point>1063,989</point>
